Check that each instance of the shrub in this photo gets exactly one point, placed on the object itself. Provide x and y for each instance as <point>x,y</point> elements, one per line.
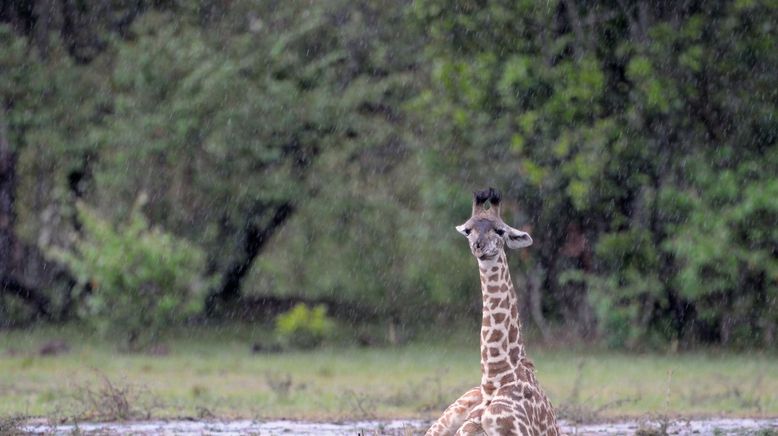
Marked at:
<point>303,327</point>
<point>136,279</point>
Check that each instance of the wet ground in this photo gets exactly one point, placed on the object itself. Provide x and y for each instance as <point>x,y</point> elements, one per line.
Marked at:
<point>691,427</point>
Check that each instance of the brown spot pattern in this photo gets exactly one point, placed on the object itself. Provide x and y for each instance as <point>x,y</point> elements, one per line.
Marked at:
<point>496,336</point>
<point>513,334</point>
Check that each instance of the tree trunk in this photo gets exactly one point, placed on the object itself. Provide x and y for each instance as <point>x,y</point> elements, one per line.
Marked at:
<point>10,249</point>
<point>254,238</point>
<point>534,282</point>
<point>7,193</point>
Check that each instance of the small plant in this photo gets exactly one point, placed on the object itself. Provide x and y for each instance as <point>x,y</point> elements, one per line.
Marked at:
<point>280,384</point>
<point>359,404</point>
<point>137,279</point>
<point>653,430</point>
<point>12,425</point>
<point>661,425</point>
<point>205,413</point>
<point>112,402</point>
<point>303,327</point>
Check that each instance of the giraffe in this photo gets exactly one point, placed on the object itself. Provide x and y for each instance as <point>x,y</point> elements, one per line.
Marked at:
<point>509,400</point>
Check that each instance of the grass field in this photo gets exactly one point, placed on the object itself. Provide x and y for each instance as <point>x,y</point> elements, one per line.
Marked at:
<point>213,373</point>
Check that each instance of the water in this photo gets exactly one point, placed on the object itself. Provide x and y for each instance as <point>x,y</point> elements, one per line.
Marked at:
<point>398,427</point>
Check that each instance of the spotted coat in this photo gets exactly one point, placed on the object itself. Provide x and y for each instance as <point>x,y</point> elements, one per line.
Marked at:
<point>509,400</point>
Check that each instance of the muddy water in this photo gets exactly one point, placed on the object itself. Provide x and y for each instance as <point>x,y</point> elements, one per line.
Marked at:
<point>693,427</point>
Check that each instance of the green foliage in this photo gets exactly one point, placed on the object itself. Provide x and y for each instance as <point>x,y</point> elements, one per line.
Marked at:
<point>138,280</point>
<point>636,145</point>
<point>726,255</point>
<point>646,136</point>
<point>304,327</point>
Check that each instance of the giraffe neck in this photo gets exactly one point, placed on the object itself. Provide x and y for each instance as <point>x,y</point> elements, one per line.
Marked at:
<point>502,348</point>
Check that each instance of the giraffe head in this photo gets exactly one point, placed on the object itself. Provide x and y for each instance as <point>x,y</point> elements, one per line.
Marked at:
<point>485,230</point>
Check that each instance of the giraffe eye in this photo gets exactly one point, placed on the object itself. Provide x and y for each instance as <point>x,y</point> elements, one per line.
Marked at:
<point>499,232</point>
<point>467,231</point>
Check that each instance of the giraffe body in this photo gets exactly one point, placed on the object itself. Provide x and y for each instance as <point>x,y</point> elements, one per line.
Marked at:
<point>509,400</point>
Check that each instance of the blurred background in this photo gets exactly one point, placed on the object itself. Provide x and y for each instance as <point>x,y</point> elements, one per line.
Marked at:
<point>300,166</point>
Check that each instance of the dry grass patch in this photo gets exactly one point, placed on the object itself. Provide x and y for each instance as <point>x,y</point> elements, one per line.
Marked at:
<point>107,400</point>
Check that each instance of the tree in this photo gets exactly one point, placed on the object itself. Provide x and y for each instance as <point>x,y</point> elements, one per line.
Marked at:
<point>605,121</point>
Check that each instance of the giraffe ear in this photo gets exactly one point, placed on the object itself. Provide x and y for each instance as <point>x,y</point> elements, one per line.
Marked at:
<point>516,238</point>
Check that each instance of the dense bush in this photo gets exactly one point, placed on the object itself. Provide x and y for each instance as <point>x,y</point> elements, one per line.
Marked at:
<point>639,144</point>
<point>136,280</point>
<point>304,327</point>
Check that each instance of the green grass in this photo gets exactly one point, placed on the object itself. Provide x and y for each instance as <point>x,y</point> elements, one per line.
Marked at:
<point>212,371</point>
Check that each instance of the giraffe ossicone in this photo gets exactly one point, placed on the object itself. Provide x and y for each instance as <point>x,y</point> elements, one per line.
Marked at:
<point>509,400</point>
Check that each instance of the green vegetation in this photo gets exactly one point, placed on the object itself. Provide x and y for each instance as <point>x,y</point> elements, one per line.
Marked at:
<point>304,327</point>
<point>324,151</point>
<point>212,372</point>
<point>639,145</point>
<point>140,280</point>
